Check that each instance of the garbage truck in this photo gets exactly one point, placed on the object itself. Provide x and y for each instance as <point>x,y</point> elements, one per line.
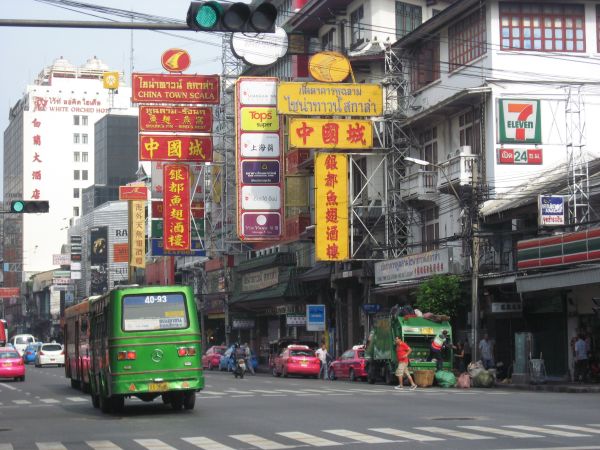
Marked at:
<point>417,332</point>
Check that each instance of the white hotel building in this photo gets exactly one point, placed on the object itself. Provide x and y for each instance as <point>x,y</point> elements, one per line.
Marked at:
<point>49,155</point>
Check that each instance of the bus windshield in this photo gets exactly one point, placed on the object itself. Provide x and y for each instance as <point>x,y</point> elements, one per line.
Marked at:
<point>154,312</point>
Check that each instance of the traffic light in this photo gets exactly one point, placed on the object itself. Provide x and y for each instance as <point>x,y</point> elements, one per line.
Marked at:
<point>29,206</point>
<point>232,17</point>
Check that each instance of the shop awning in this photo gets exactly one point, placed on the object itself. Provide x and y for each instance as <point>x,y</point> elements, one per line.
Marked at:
<point>276,259</point>
<point>321,271</point>
<point>287,287</point>
<point>559,279</point>
<point>396,288</point>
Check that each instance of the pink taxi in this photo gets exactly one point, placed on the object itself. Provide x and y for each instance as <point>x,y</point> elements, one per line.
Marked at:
<point>297,360</point>
<point>11,364</point>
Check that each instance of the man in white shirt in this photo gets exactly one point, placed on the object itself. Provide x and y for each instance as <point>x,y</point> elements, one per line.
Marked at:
<point>486,352</point>
<point>322,355</point>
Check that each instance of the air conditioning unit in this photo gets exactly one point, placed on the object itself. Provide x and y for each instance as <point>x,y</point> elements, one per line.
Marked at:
<point>463,150</point>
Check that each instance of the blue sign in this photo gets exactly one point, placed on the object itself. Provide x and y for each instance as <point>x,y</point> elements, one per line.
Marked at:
<point>315,317</point>
<point>158,249</point>
<point>371,308</point>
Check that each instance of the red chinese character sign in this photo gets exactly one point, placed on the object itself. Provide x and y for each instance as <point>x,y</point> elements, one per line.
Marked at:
<point>176,207</point>
<point>331,206</point>
<point>331,133</point>
<point>259,160</point>
<point>176,119</point>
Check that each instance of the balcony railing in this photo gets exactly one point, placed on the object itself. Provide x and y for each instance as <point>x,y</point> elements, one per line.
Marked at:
<point>421,185</point>
<point>458,169</point>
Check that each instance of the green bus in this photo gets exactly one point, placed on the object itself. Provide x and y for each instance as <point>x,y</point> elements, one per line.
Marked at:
<point>145,342</point>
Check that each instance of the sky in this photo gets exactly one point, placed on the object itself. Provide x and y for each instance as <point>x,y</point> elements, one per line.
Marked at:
<point>25,51</point>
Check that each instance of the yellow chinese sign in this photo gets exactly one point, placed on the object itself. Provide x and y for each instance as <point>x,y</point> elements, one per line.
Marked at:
<point>259,118</point>
<point>331,133</point>
<point>331,203</point>
<point>329,99</point>
<point>137,234</point>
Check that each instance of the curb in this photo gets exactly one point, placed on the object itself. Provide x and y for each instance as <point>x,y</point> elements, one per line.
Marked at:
<point>571,389</point>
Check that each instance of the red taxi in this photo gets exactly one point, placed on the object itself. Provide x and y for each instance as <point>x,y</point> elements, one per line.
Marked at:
<point>11,364</point>
<point>212,357</point>
<point>350,365</point>
<point>297,360</point>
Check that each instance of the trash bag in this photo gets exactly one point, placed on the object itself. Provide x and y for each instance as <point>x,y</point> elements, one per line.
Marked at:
<point>475,368</point>
<point>483,379</point>
<point>445,379</point>
<point>418,313</point>
<point>464,381</point>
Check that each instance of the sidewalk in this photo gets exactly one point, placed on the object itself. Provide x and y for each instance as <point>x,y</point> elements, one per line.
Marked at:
<point>554,386</point>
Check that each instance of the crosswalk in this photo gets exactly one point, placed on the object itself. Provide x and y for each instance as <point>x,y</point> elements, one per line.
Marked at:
<point>337,437</point>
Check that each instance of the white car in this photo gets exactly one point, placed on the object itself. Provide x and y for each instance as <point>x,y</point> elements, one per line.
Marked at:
<point>50,354</point>
<point>21,341</point>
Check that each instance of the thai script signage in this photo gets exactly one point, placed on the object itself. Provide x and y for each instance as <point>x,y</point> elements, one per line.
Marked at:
<point>331,133</point>
<point>173,88</point>
<point>331,205</point>
<point>259,160</point>
<point>519,156</point>
<point>551,210</point>
<point>520,121</point>
<point>261,279</point>
<point>435,262</point>
<point>176,232</point>
<point>192,148</point>
<point>64,259</point>
<point>330,99</point>
<point>176,118</point>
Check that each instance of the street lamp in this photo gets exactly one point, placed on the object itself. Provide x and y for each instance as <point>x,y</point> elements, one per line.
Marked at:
<point>474,256</point>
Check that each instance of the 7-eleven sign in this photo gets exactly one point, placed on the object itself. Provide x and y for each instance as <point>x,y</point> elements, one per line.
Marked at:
<point>520,121</point>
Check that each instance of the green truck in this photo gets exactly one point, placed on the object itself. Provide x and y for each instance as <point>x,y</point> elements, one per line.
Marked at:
<point>417,332</point>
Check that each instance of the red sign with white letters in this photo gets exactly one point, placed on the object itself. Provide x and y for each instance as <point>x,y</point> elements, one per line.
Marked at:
<point>175,118</point>
<point>519,156</point>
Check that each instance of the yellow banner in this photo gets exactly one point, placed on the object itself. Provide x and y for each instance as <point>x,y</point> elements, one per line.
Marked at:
<point>259,118</point>
<point>137,234</point>
<point>329,99</point>
<point>331,133</point>
<point>331,204</point>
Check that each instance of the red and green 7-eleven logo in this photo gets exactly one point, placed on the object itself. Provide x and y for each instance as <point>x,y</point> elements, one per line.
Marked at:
<point>520,121</point>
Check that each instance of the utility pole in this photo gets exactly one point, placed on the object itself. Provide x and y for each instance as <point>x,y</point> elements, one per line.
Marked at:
<point>474,260</point>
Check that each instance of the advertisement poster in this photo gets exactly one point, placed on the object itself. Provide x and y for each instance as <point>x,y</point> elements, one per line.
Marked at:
<point>98,245</point>
<point>551,210</point>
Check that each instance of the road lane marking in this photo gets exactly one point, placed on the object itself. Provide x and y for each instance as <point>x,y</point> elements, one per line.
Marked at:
<point>546,431</point>
<point>206,443</point>
<point>50,446</point>
<point>8,386</point>
<point>154,444</point>
<point>309,439</point>
<point>406,434</point>
<point>262,391</point>
<point>242,396</point>
<point>212,393</point>
<point>514,434</point>
<point>577,428</point>
<point>259,442</point>
<point>288,391</point>
<point>360,437</point>
<point>585,447</point>
<point>6,447</point>
<point>78,399</point>
<point>454,433</point>
<point>49,400</point>
<point>21,402</point>
<point>103,445</point>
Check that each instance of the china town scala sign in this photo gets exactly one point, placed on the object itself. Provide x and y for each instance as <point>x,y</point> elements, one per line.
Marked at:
<point>175,88</point>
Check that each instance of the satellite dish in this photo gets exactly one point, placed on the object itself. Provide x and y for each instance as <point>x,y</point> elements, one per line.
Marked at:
<point>260,49</point>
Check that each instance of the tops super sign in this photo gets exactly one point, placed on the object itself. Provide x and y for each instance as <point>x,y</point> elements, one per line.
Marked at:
<point>175,60</point>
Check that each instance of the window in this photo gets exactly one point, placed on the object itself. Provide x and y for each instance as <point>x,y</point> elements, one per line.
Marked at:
<point>544,27</point>
<point>76,174</point>
<point>75,211</point>
<point>430,229</point>
<point>357,33</point>
<point>467,39</point>
<point>426,64</point>
<point>154,312</point>
<point>76,138</point>
<point>76,156</point>
<point>84,175</point>
<point>75,120</point>
<point>408,17</point>
<point>469,130</point>
<point>84,138</point>
<point>84,120</point>
<point>327,40</point>
<point>75,192</point>
<point>84,156</point>
<point>428,141</point>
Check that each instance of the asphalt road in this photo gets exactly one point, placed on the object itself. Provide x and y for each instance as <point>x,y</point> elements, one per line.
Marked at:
<point>263,412</point>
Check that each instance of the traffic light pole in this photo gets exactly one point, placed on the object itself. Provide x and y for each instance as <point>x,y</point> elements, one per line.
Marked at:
<point>92,24</point>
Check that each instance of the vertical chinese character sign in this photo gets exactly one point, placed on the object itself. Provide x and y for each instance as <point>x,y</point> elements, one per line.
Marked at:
<point>176,208</point>
<point>137,233</point>
<point>331,204</point>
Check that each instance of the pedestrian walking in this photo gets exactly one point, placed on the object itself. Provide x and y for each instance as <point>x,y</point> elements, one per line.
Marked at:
<point>403,351</point>
<point>323,356</point>
<point>248,358</point>
<point>459,357</point>
<point>438,344</point>
<point>581,359</point>
<point>486,351</point>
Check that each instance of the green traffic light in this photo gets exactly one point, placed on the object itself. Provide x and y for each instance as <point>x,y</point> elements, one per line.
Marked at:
<point>207,15</point>
<point>18,206</point>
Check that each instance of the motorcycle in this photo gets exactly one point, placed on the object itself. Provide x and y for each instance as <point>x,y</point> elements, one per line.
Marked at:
<point>240,368</point>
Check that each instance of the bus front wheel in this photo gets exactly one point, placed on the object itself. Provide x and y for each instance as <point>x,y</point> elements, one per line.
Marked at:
<point>95,400</point>
<point>105,404</point>
<point>189,400</point>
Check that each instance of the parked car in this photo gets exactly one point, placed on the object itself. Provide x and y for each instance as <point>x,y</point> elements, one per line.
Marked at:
<point>227,362</point>
<point>212,357</point>
<point>52,353</point>
<point>351,364</point>
<point>297,360</point>
<point>21,341</point>
<point>278,346</point>
<point>30,352</point>
<point>11,364</point>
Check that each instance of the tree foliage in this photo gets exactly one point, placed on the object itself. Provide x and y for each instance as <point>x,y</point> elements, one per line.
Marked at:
<point>441,294</point>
